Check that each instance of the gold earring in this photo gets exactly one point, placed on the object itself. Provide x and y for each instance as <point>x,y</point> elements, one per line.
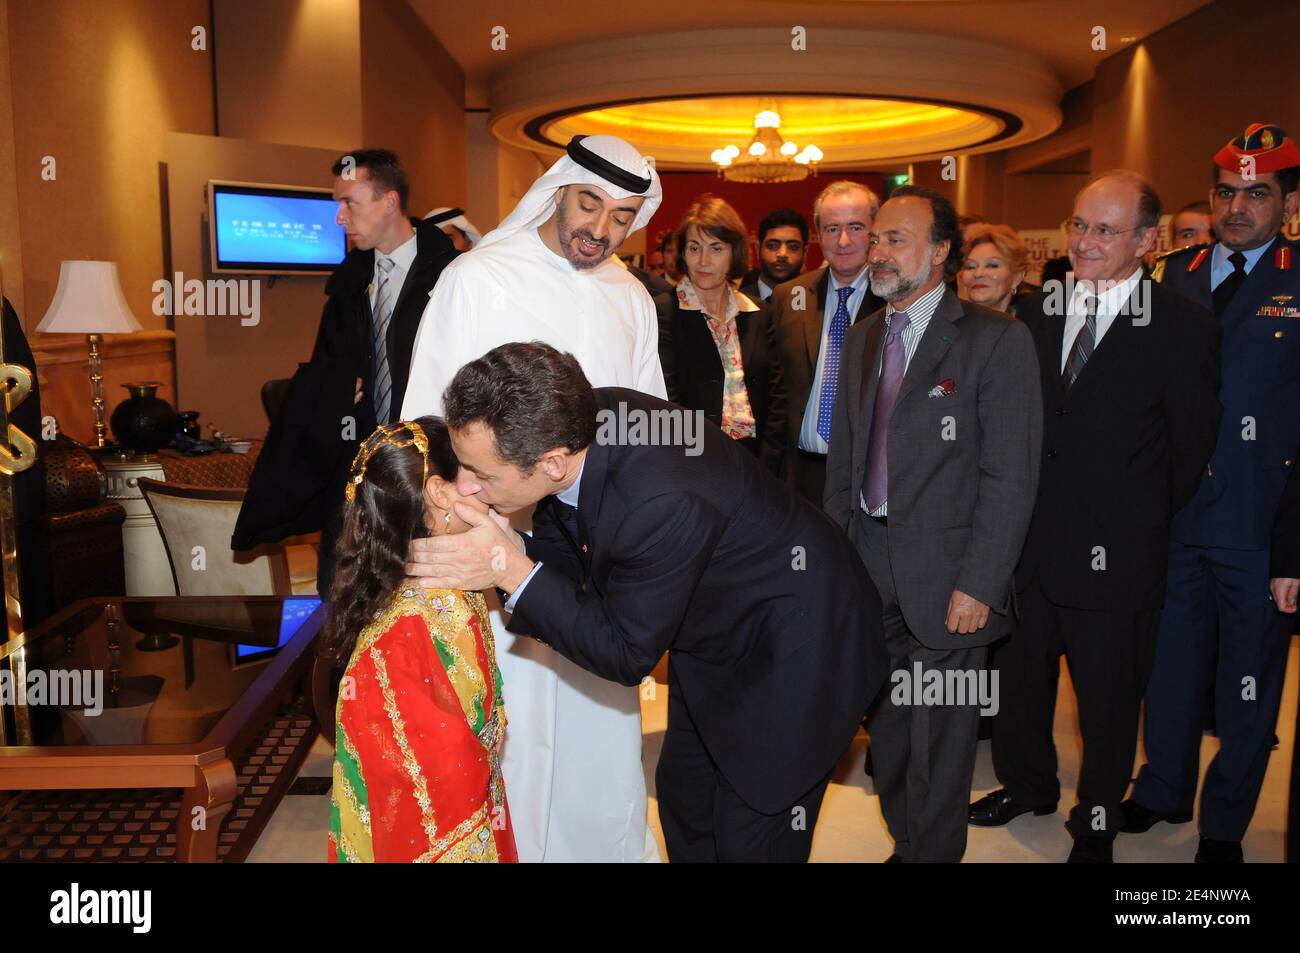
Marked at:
<point>446,524</point>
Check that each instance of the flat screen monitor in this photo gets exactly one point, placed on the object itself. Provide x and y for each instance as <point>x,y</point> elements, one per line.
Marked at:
<point>273,229</point>
<point>294,614</point>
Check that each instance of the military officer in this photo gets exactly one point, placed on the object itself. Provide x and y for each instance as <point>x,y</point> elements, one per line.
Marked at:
<point>1219,551</point>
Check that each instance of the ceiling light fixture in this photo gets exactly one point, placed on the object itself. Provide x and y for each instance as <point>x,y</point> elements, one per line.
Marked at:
<point>768,158</point>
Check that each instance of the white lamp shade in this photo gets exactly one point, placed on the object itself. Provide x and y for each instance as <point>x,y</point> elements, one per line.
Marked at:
<point>89,300</point>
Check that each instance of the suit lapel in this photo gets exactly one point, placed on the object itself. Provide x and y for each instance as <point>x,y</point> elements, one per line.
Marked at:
<point>419,265</point>
<point>1049,355</point>
<point>812,323</point>
<point>591,494</point>
<point>867,390</point>
<point>1110,348</point>
<point>1201,284</point>
<point>870,364</point>
<point>934,344</point>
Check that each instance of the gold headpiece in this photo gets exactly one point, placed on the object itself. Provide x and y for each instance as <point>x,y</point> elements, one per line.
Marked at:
<point>387,434</point>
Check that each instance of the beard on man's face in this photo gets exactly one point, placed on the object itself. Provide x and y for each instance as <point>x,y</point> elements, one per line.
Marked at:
<point>781,270</point>
<point>889,283</point>
<point>569,235</point>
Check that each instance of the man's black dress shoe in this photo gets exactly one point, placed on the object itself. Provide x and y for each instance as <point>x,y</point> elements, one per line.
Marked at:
<point>1138,819</point>
<point>1092,850</point>
<point>999,807</point>
<point>1218,852</point>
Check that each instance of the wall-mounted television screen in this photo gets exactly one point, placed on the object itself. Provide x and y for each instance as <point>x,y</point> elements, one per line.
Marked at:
<point>273,229</point>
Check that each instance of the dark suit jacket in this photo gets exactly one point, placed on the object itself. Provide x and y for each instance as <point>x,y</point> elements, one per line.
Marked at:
<point>749,286</point>
<point>297,482</point>
<point>1123,450</point>
<point>1236,502</point>
<point>654,285</point>
<point>798,334</point>
<point>693,372</point>
<point>345,328</point>
<point>774,627</point>
<point>1284,562</point>
<point>962,468</point>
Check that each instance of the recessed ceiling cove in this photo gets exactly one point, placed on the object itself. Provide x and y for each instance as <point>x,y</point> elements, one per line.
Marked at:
<point>864,98</point>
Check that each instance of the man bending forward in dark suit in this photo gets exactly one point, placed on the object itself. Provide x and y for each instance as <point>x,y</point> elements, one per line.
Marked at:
<point>933,463</point>
<point>660,533</point>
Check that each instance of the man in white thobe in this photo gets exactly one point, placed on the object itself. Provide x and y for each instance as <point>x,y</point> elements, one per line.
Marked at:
<point>572,758</point>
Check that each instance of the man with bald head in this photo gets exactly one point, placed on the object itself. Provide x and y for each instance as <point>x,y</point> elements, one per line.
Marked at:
<point>1130,377</point>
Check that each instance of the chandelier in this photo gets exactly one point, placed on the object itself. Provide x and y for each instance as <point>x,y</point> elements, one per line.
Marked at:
<point>769,158</point>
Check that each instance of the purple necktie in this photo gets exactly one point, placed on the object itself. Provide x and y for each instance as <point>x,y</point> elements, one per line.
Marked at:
<point>892,366</point>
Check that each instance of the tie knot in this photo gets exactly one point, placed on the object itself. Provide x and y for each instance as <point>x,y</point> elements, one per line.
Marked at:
<point>899,320</point>
<point>844,295</point>
<point>1089,303</point>
<point>1237,260</point>
<point>384,263</point>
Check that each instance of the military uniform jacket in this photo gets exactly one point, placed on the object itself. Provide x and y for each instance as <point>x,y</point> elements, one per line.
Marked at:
<point>1259,437</point>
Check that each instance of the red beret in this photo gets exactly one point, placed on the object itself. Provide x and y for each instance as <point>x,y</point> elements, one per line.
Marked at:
<point>1270,148</point>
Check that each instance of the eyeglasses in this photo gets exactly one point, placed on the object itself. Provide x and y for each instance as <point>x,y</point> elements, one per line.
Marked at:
<point>1078,228</point>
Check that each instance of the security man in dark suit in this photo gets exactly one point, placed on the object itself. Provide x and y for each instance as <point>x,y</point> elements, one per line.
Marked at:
<point>360,365</point>
<point>1219,553</point>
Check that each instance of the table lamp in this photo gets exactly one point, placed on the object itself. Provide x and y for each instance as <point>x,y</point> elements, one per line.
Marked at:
<point>89,301</point>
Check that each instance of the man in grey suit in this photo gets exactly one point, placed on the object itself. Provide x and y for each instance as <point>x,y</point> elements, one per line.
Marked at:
<point>933,465</point>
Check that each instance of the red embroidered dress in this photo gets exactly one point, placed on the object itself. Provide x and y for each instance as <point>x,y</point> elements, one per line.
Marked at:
<point>417,768</point>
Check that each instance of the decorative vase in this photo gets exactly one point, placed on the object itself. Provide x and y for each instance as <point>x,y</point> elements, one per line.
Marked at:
<point>143,422</point>
<point>190,425</point>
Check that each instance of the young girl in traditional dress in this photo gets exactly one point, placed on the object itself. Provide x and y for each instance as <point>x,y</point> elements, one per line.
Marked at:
<point>417,768</point>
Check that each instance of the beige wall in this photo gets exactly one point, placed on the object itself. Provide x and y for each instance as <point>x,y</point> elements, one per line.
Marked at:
<point>1031,186</point>
<point>481,153</point>
<point>517,170</point>
<point>221,363</point>
<point>11,249</point>
<point>345,74</point>
<point>1166,106</point>
<point>97,86</point>
<point>289,71</point>
<point>100,85</point>
<point>413,101</point>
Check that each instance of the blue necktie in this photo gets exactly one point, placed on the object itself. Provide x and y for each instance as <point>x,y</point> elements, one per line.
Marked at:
<point>831,369</point>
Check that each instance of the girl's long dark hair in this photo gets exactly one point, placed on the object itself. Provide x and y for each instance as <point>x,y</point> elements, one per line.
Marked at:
<point>386,513</point>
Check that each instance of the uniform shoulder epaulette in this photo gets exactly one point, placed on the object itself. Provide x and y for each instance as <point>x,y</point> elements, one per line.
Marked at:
<point>1178,251</point>
<point>1198,253</point>
<point>1284,254</point>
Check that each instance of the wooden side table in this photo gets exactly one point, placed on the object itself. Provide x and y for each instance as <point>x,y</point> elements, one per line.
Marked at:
<point>217,743</point>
